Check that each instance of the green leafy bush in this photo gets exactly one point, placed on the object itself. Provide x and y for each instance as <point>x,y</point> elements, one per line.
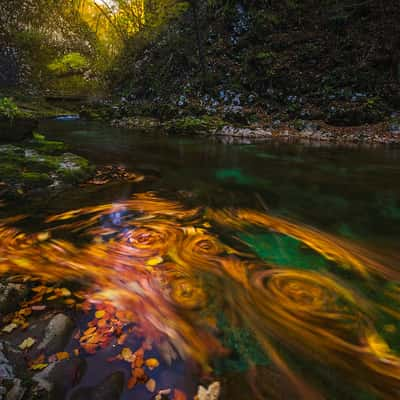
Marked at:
<point>71,63</point>
<point>8,108</point>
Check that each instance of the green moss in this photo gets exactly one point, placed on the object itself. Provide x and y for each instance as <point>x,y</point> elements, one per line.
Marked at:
<point>38,164</point>
<point>245,349</point>
<point>36,179</point>
<point>41,163</point>
<point>47,146</point>
<point>8,108</point>
<point>8,171</point>
<point>74,169</point>
<point>70,63</point>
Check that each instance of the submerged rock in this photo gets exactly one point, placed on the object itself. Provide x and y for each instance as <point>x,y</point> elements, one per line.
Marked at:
<point>11,387</point>
<point>110,388</point>
<point>58,378</point>
<point>57,334</point>
<point>10,295</point>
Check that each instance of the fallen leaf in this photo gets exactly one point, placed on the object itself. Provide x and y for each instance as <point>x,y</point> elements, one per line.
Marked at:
<point>89,331</point>
<point>43,236</point>
<point>154,261</point>
<point>152,363</point>
<point>65,292</point>
<point>122,338</point>
<point>151,385</point>
<point>179,395</point>
<point>62,355</point>
<point>140,375</point>
<point>27,343</point>
<point>132,382</point>
<point>10,327</point>
<point>211,393</point>
<point>38,308</point>
<point>100,314</point>
<point>39,367</point>
<point>127,354</point>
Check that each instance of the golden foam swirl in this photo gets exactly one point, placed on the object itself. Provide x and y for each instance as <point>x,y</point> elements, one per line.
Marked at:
<point>150,241</point>
<point>310,298</point>
<point>199,249</point>
<point>302,292</point>
<point>188,294</point>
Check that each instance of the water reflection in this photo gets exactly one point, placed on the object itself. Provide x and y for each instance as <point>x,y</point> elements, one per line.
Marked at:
<point>208,285</point>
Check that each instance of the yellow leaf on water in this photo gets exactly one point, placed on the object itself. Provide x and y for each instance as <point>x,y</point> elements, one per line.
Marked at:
<point>100,314</point>
<point>9,328</point>
<point>377,345</point>
<point>43,236</point>
<point>22,262</point>
<point>39,367</point>
<point>127,354</point>
<point>151,385</point>
<point>152,363</point>
<point>154,261</point>
<point>39,289</point>
<point>27,343</point>
<point>63,355</point>
<point>89,331</point>
<point>65,292</point>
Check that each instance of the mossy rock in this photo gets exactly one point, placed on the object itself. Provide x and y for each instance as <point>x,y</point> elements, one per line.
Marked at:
<point>42,145</point>
<point>74,169</point>
<point>194,125</point>
<point>35,179</point>
<point>28,167</point>
<point>8,171</point>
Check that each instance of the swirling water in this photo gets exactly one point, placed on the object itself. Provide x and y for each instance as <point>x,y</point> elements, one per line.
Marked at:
<point>271,267</point>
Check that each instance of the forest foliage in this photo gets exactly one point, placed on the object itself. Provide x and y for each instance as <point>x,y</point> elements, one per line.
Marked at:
<point>58,40</point>
<point>82,45</point>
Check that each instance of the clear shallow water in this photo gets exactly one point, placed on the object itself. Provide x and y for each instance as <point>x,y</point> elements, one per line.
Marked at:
<point>350,191</point>
<point>285,255</point>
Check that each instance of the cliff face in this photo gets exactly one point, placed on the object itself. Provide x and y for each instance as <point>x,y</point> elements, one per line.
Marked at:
<point>330,60</point>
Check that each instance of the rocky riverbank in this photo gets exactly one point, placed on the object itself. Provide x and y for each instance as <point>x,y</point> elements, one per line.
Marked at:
<point>314,131</point>
<point>39,324</point>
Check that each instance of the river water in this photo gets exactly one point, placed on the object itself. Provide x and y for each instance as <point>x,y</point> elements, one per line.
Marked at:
<point>271,267</point>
